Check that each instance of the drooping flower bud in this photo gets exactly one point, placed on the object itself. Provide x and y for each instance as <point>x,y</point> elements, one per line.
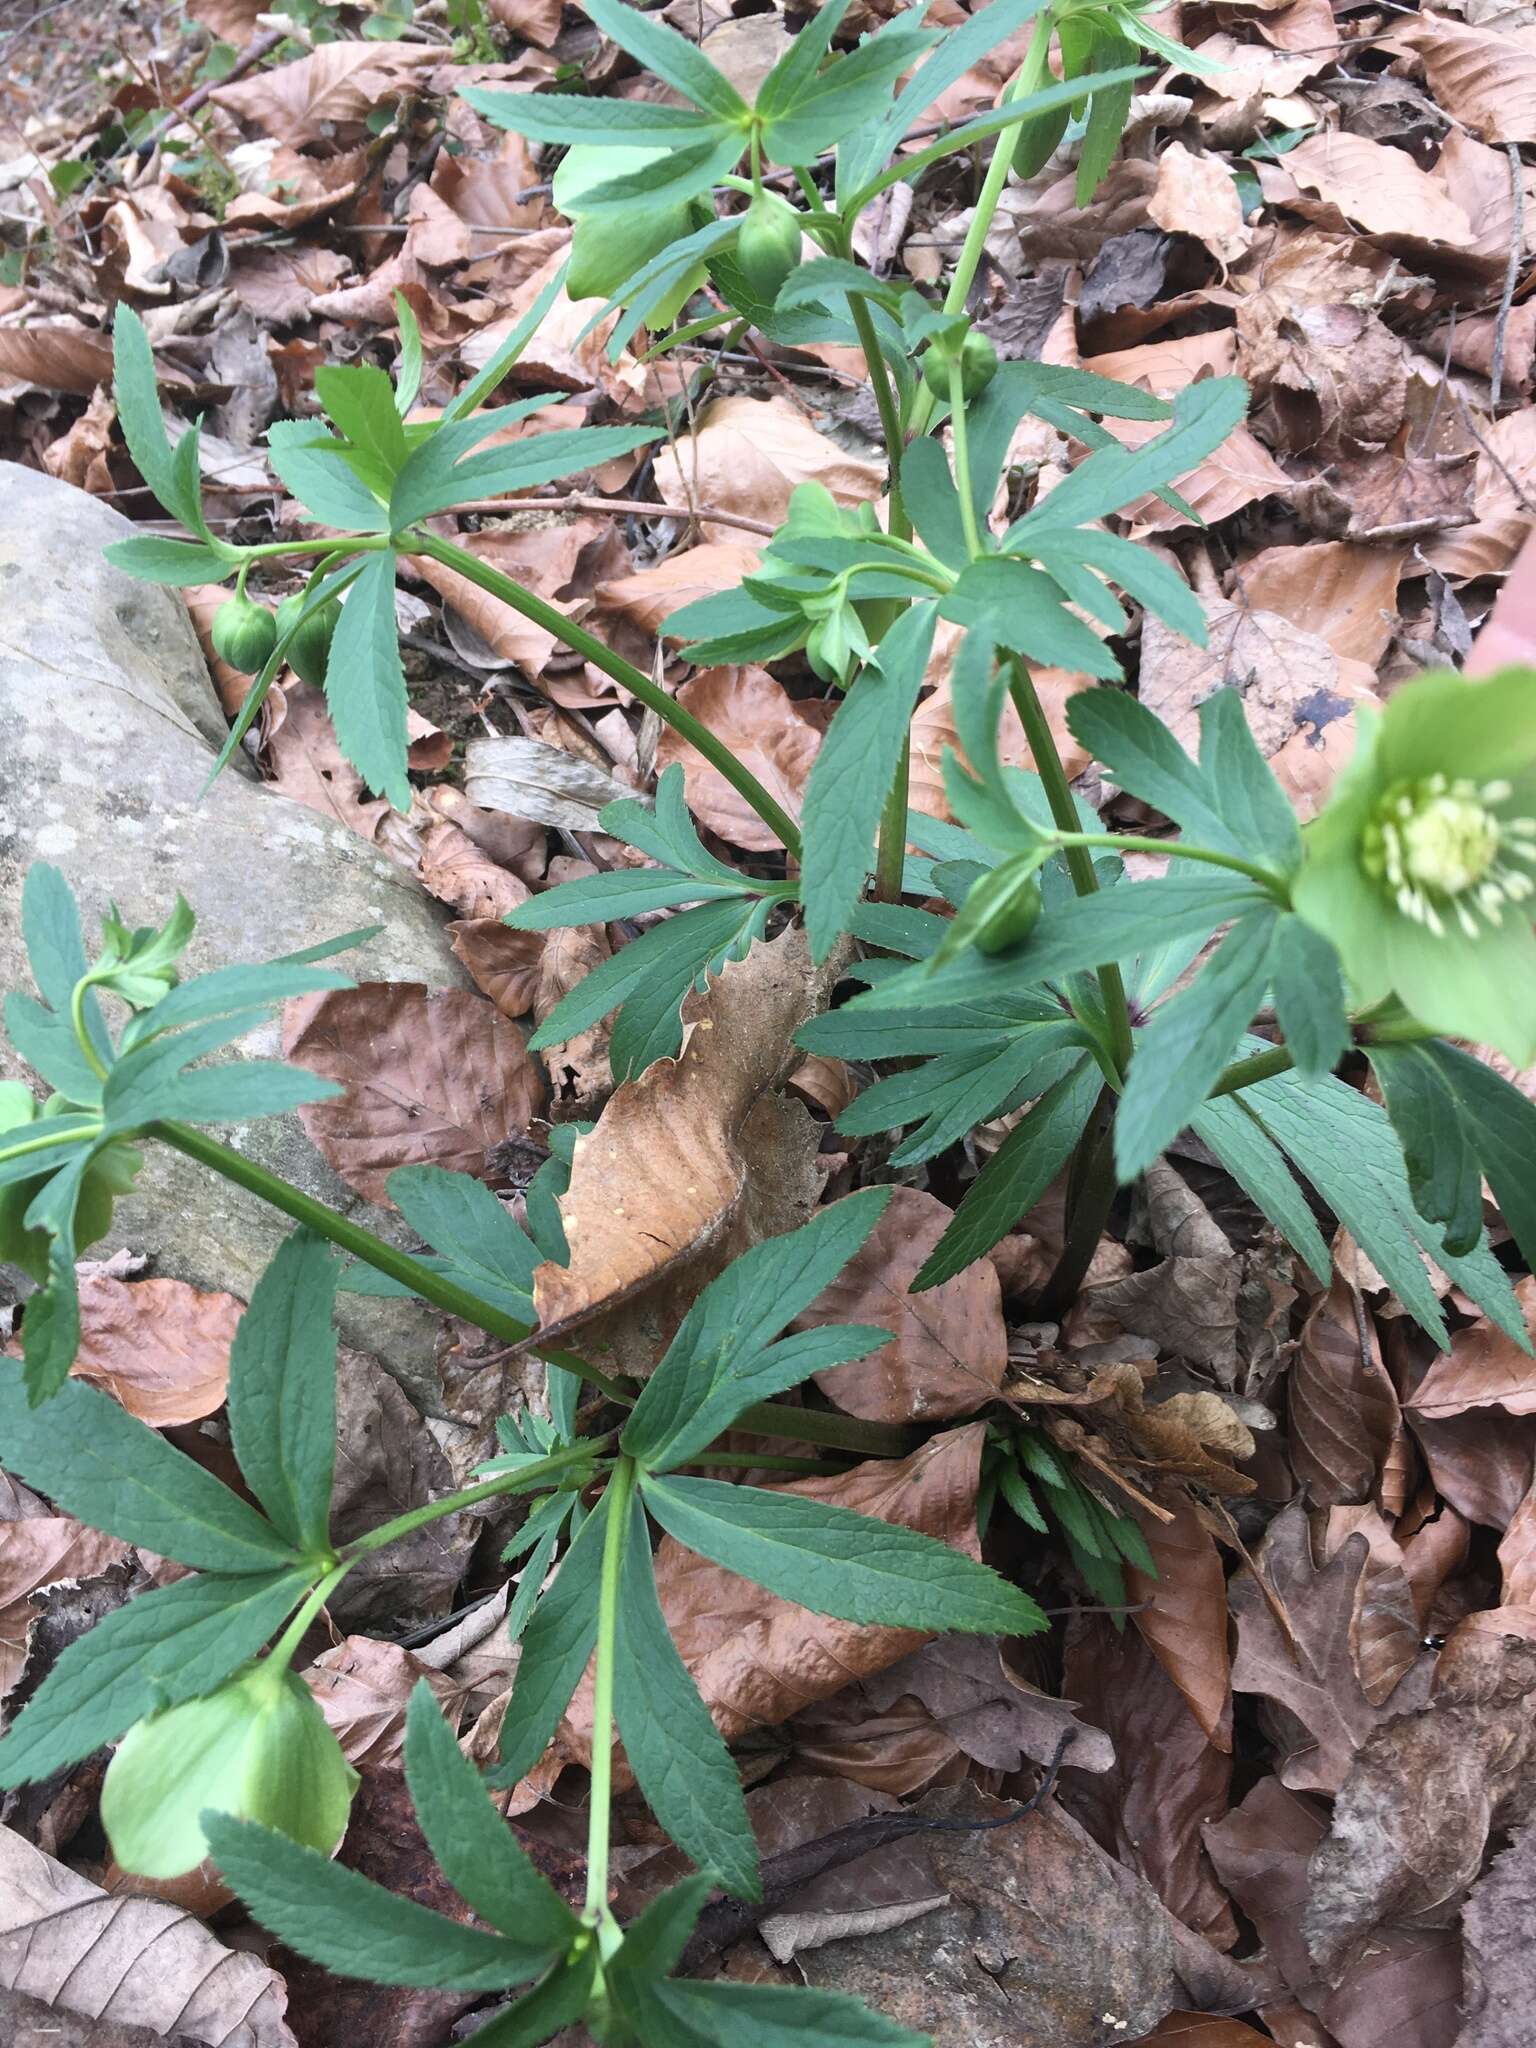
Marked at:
<point>308,652</point>
<point>768,245</point>
<point>243,634</point>
<point>258,1748</point>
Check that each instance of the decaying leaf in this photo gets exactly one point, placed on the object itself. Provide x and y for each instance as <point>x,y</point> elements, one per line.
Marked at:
<point>159,1347</point>
<point>1344,1412</point>
<point>1182,1614</point>
<point>746,455</point>
<point>764,729</point>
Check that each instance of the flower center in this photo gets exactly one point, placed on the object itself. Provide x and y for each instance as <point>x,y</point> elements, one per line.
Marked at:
<point>1444,847</point>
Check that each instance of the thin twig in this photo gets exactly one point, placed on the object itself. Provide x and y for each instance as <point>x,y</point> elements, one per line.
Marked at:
<point>1512,269</point>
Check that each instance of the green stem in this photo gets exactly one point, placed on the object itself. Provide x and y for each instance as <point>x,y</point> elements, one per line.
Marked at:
<point>470,1496</point>
<point>88,1051</point>
<point>1258,1067</point>
<point>639,685</point>
<point>961,448</point>
<point>1058,794</point>
<point>891,853</point>
<point>1088,1207</point>
<point>885,405</point>
<point>1180,849</point>
<point>620,1488</point>
<point>282,1652</point>
<point>836,1432</point>
<point>351,544</point>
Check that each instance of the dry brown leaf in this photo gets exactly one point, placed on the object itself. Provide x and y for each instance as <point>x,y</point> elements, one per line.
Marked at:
<point>464,877</point>
<point>1388,1631</point>
<point>949,1347</point>
<point>1503,491</point>
<point>933,729</point>
<point>1195,195</point>
<point>1483,75</point>
<point>1500,1992</point>
<point>668,1148</point>
<point>536,21</point>
<point>278,285</point>
<point>79,456</point>
<point>35,1552</point>
<point>55,357</point>
<point>1200,2030</point>
<point>746,455</point>
<point>1482,1369</point>
<point>306,762</point>
<point>1342,591</point>
<point>580,1075</point>
<point>648,598</point>
<point>1325,375</point>
<point>1517,1557</point>
<point>566,354</point>
<point>133,1960</point>
<point>764,729</point>
<point>1343,1407</point>
<point>1168,1779</point>
<point>336,85</point>
<point>503,964</point>
<point>157,1346</point>
<point>1182,1614</point>
<point>1481,1462</point>
<point>431,1078</point>
<point>1187,1306</point>
<point>986,1709</point>
<point>363,1688</point>
<point>1310,1674</point>
<point>1379,188</point>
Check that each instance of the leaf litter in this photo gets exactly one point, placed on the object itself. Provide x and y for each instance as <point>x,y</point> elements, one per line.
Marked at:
<point>1297,1801</point>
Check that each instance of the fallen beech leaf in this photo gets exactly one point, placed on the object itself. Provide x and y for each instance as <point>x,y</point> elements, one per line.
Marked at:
<point>278,285</point>
<point>949,1347</point>
<point>1483,75</point>
<point>79,456</point>
<point>55,357</point>
<point>532,779</point>
<point>1183,1614</point>
<point>1517,1556</point>
<point>363,1688</point>
<point>1186,1305</point>
<point>132,1960</point>
<point>1482,1369</point>
<point>1168,1780</point>
<point>933,729</point>
<point>1496,1922</point>
<point>431,1078</point>
<point>1388,1632</point>
<point>1481,1462</point>
<point>1200,2030</point>
<point>1324,375</point>
<point>536,21</point>
<point>989,1712</point>
<point>503,964</point>
<point>1379,188</point>
<point>544,558</point>
<point>1312,1675</point>
<point>650,597</point>
<point>901,1750</point>
<point>668,1147</point>
<point>305,762</point>
<point>464,877</point>
<point>764,729</point>
<point>1261,1850</point>
<point>338,84</point>
<point>1196,195</point>
<point>38,1551</point>
<point>158,1347</point>
<point>1343,1407</point>
<point>746,455</point>
<point>1342,591</point>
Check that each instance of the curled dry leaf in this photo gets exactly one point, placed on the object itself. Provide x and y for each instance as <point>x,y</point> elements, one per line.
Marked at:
<point>746,455</point>
<point>531,779</point>
<point>764,729</point>
<point>989,1712</point>
<point>431,1077</point>
<point>1197,195</point>
<point>1183,1614</point>
<point>1200,2030</point>
<point>464,877</point>
<point>1343,1407</point>
<point>42,1550</point>
<point>949,1346</point>
<point>338,84</point>
<point>1380,189</point>
<point>363,1688</point>
<point>1310,1673</point>
<point>159,1347</point>
<point>1483,1369</point>
<point>1485,75</point>
<point>1388,1632</point>
<point>132,1960</point>
<point>503,964</point>
<point>673,1145</point>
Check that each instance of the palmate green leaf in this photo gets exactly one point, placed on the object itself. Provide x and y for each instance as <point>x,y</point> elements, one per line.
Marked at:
<point>360,400</point>
<point>1503,1133</point>
<point>835,101</point>
<point>1020,388</point>
<point>853,772</point>
<point>475,1849</point>
<point>63,1134</point>
<point>721,1360</point>
<point>365,684</point>
<point>1021,608</point>
<point>671,179</point>
<point>96,1462</point>
<point>1309,998</point>
<point>1181,1052</point>
<point>345,1922</point>
<point>556,1647</point>
<point>155,560</point>
<point>1252,803</point>
<point>136,390</point>
<point>795,72</point>
<point>282,1391</point>
<point>953,1092</point>
<point>165,1646</point>
<point>836,1562</point>
<point>313,465</point>
<point>1260,1170</point>
<point>1016,1175</point>
<point>703,2015</point>
<point>675,60</point>
<point>1144,758</point>
<point>1438,1139</point>
<point>538,2017</point>
<point>50,1333</point>
<point>519,467</point>
<point>1203,416</point>
<point>678,1756</point>
<point>155,1080</point>
<point>1343,1143</point>
<point>478,1243</point>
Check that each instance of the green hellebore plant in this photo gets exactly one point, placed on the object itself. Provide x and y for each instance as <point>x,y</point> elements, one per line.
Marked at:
<point>257,1749</point>
<point>1421,870</point>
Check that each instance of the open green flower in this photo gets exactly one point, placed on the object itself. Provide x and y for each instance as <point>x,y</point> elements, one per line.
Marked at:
<point>1422,867</point>
<point>259,1748</point>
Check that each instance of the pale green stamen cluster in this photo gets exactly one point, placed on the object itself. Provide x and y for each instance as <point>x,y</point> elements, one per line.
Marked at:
<point>1444,850</point>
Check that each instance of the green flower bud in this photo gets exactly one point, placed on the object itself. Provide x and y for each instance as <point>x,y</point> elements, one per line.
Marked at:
<point>768,245</point>
<point>243,634</point>
<point>978,365</point>
<point>308,652</point>
<point>1006,906</point>
<point>258,1749</point>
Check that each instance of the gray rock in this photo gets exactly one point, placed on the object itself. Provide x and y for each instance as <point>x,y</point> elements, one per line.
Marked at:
<point>108,729</point>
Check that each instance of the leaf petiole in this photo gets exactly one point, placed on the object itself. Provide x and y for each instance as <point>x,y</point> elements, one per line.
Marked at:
<point>620,1488</point>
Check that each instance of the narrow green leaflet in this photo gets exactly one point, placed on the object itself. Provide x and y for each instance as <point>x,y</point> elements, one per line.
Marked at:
<point>835,1562</point>
<point>566,117</point>
<point>555,1652</point>
<point>282,1391</point>
<point>674,1749</point>
<point>1438,1140</point>
<point>560,2000</point>
<point>155,560</point>
<point>1504,1134</point>
<point>674,177</point>
<point>96,1462</point>
<point>365,684</point>
<point>1023,609</point>
<point>835,101</point>
<point>1309,997</point>
<point>489,375</point>
<point>360,400</point>
<point>953,1092</point>
<point>136,390</point>
<point>344,1921</point>
<point>853,773</point>
<point>773,2016</point>
<point>721,1360</point>
<point>1260,1170</point>
<point>1253,804</point>
<point>50,1333</point>
<point>429,483</point>
<point>1181,1052</point>
<point>164,1647</point>
<point>313,464</point>
<point>411,364</point>
<point>225,990</point>
<point>477,1241</point>
<point>1016,1175</point>
<point>1203,416</point>
<point>156,1079</point>
<point>476,1850</point>
<point>654,1943</point>
<point>671,56</point>
<point>1144,757</point>
<point>1107,110</point>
